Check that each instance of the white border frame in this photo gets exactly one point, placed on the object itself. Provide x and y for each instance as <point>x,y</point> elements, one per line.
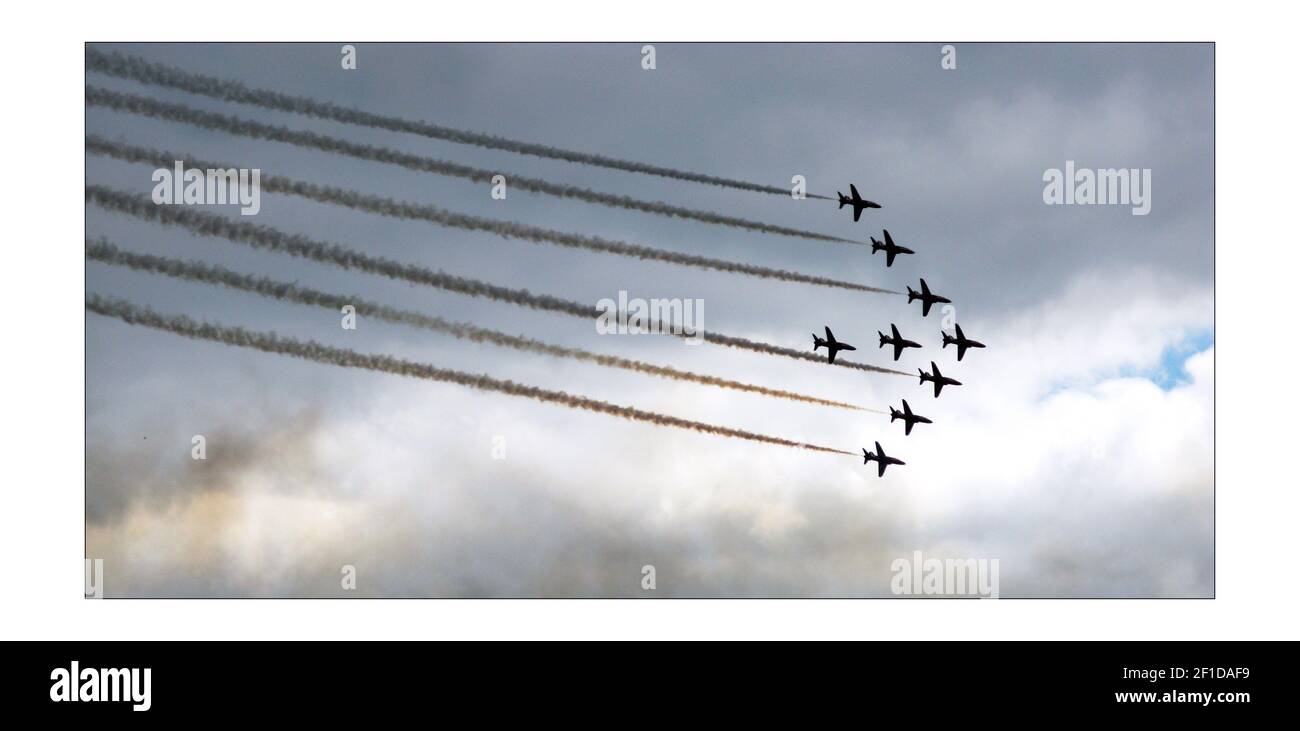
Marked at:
<point>44,285</point>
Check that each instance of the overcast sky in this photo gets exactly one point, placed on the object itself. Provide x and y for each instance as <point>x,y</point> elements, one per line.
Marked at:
<point>1078,452</point>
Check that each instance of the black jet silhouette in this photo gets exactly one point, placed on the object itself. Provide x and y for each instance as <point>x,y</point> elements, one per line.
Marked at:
<point>882,459</point>
<point>961,342</point>
<point>889,247</point>
<point>939,379</point>
<point>857,201</point>
<point>927,298</point>
<point>897,341</point>
<point>907,416</point>
<point>833,346</point>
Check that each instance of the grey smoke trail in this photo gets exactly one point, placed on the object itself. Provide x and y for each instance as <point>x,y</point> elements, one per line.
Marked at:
<point>147,72</point>
<point>272,239</point>
<point>107,253</point>
<point>391,208</point>
<point>144,106</point>
<point>269,342</point>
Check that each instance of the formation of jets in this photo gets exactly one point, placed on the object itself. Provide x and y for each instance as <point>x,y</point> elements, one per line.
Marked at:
<point>928,300</point>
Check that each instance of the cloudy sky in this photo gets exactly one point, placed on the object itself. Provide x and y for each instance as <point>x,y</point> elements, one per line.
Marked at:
<point>1078,453</point>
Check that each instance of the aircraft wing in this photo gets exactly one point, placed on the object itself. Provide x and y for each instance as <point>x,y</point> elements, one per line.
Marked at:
<point>908,429</point>
<point>854,190</point>
<point>880,472</point>
<point>889,257</point>
<point>857,213</point>
<point>961,350</point>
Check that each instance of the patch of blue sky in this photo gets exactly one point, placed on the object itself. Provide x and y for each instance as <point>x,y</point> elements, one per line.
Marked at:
<point>1169,371</point>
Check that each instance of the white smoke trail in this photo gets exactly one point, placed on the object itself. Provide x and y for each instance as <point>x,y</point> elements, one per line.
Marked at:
<point>269,342</point>
<point>143,106</point>
<point>272,239</point>
<point>147,72</point>
<point>391,208</point>
<point>103,251</point>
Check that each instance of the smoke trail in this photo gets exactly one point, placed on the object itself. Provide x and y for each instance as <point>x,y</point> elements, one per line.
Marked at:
<point>143,106</point>
<point>107,253</point>
<point>272,239</point>
<point>146,72</point>
<point>269,342</point>
<point>391,208</point>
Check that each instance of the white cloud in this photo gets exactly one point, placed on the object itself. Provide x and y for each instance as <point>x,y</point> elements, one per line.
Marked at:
<point>1044,459</point>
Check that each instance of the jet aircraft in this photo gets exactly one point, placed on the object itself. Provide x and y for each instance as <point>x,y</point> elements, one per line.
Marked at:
<point>897,341</point>
<point>939,379</point>
<point>909,419</point>
<point>928,298</point>
<point>832,345</point>
<point>961,341</point>
<point>882,460</point>
<point>857,201</point>
<point>889,247</point>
